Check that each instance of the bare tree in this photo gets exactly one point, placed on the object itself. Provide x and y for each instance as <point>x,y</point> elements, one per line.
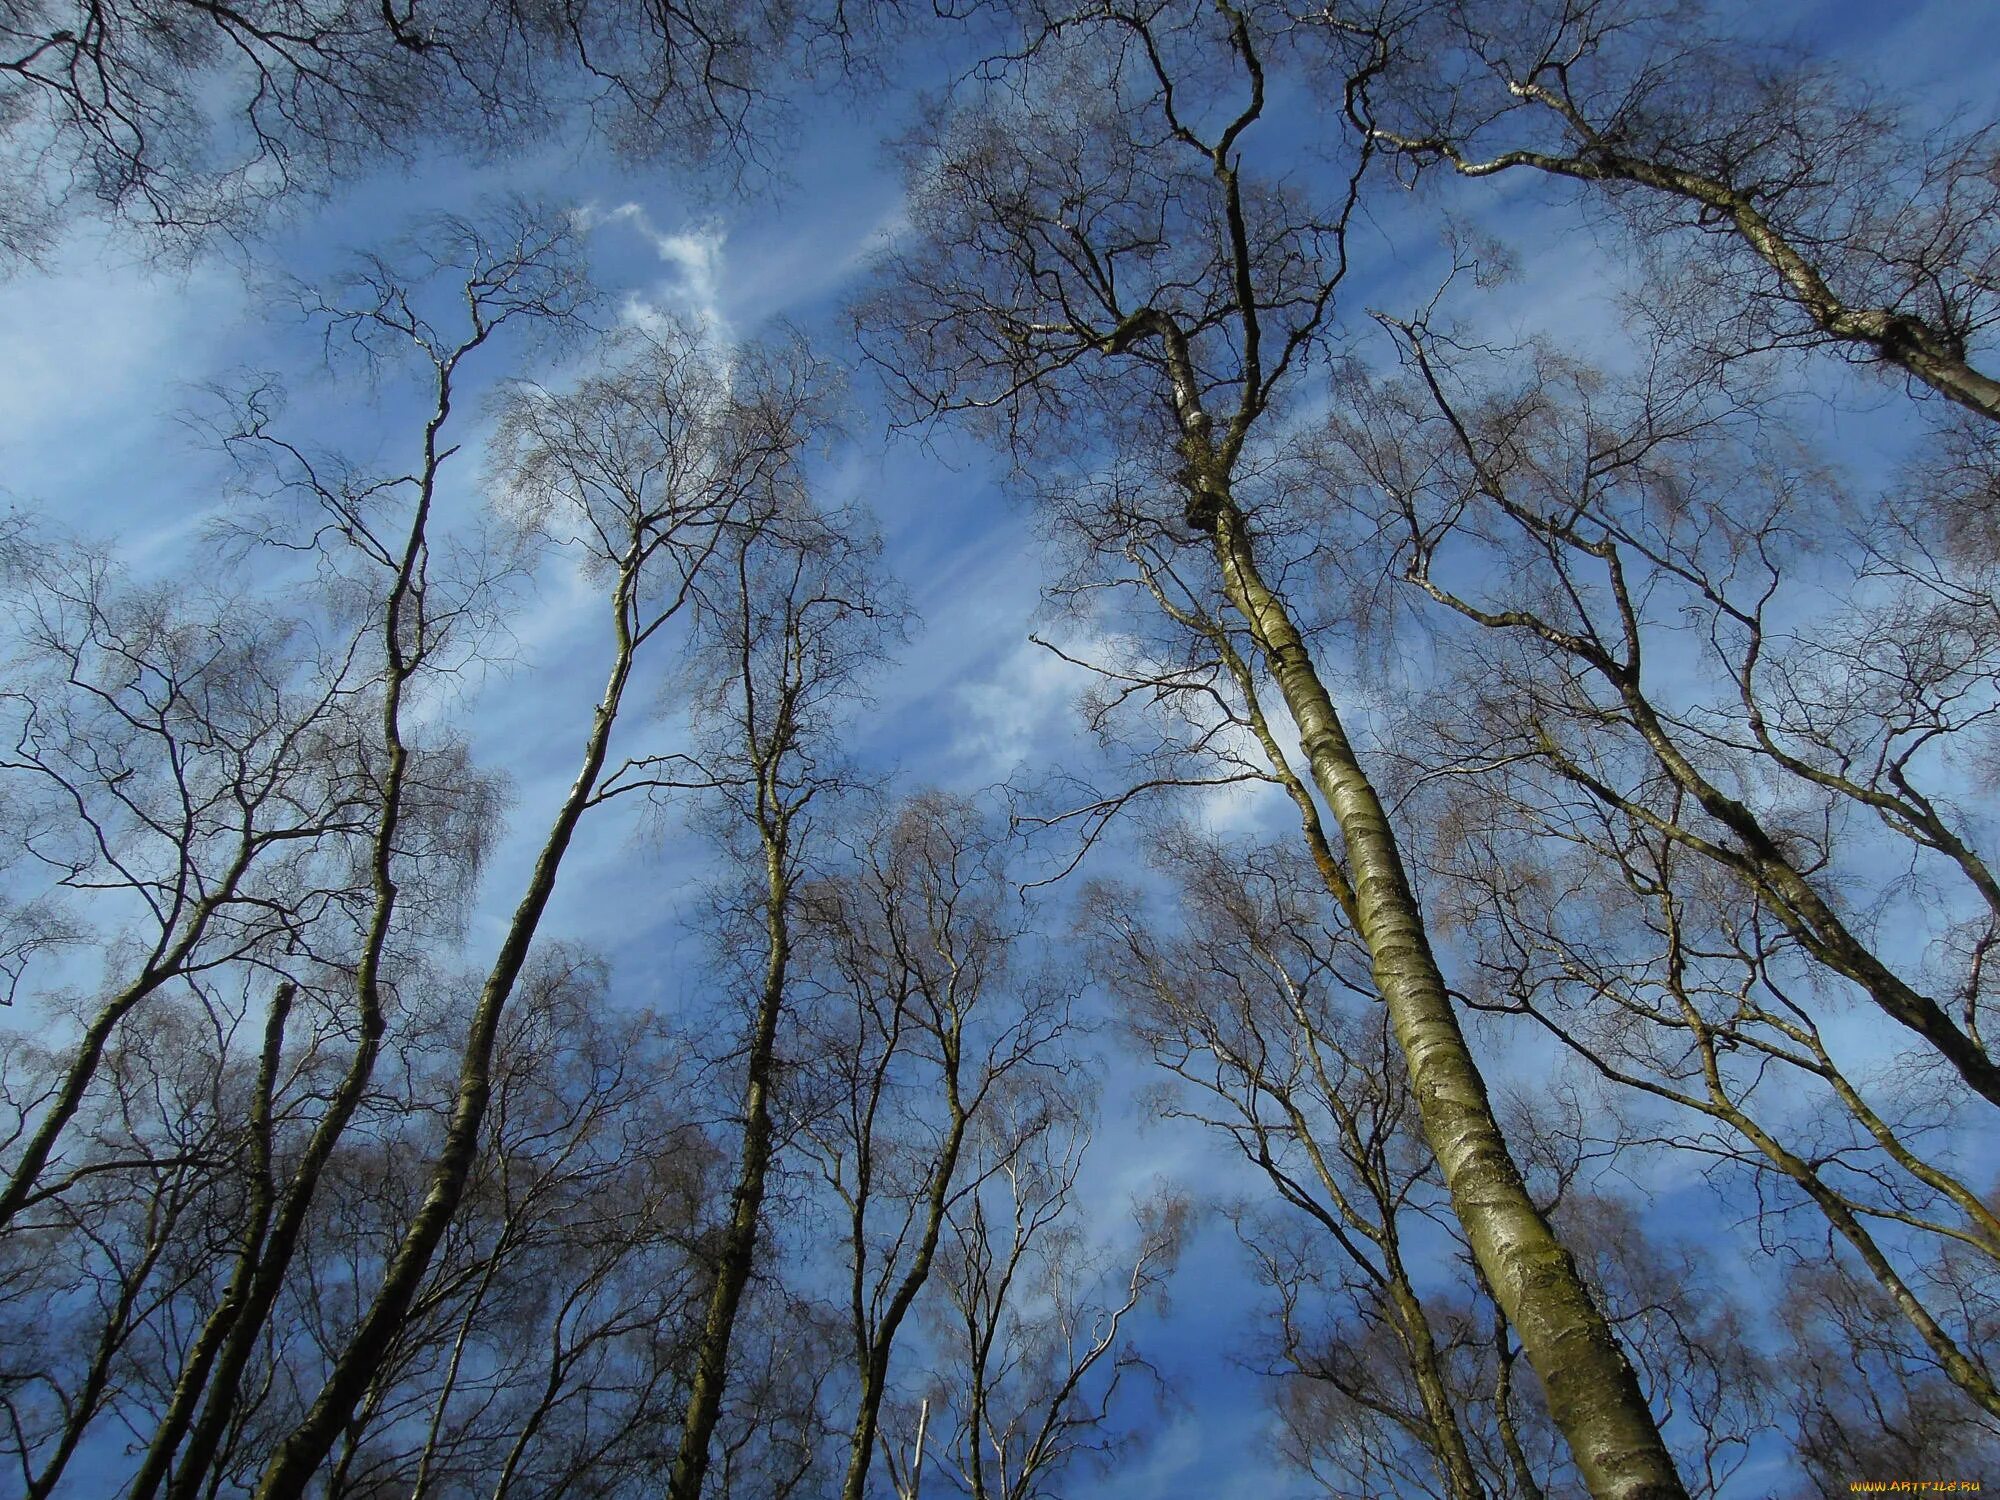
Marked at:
<point>647,472</point>
<point>1725,826</point>
<point>1032,1362</point>
<point>197,773</point>
<point>789,628</point>
<point>1103,250</point>
<point>1828,216</point>
<point>1869,750</point>
<point>932,1020</point>
<point>518,271</point>
<point>1392,1363</point>
<point>186,118</point>
<point>1255,1011</point>
<point>549,1334</point>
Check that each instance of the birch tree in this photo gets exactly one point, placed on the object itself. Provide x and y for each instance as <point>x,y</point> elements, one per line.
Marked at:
<point>1725,826</point>
<point>645,471</point>
<point>1127,264</point>
<point>1826,214</point>
<point>379,534</point>
<point>790,627</point>
<point>1392,1365</point>
<point>195,773</point>
<point>934,1021</point>
<point>1035,1372</point>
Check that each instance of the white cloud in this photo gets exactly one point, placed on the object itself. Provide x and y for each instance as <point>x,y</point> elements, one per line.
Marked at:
<point>695,256</point>
<point>98,358</point>
<point>1018,710</point>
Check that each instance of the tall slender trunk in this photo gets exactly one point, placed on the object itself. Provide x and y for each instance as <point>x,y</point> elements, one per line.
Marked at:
<point>425,1461</point>
<point>1447,1444</point>
<point>292,1466</point>
<point>551,1394</point>
<point>917,1457</point>
<point>261,1269</point>
<point>1592,1390</point>
<point>194,1376</point>
<point>1593,1393</point>
<point>739,1246</point>
<point>1411,1322</point>
<point>880,1344</point>
<point>1503,1410</point>
<point>260,1276</point>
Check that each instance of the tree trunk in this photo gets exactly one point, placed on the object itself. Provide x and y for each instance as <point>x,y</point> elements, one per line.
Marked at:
<point>1593,1393</point>
<point>250,1245</point>
<point>875,1371</point>
<point>292,1466</point>
<point>1454,1459</point>
<point>739,1246</point>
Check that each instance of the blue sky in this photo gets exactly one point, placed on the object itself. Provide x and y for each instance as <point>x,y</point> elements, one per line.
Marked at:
<point>105,355</point>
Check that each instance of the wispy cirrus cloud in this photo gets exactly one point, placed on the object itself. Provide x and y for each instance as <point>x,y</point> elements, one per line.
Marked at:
<point>694,256</point>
